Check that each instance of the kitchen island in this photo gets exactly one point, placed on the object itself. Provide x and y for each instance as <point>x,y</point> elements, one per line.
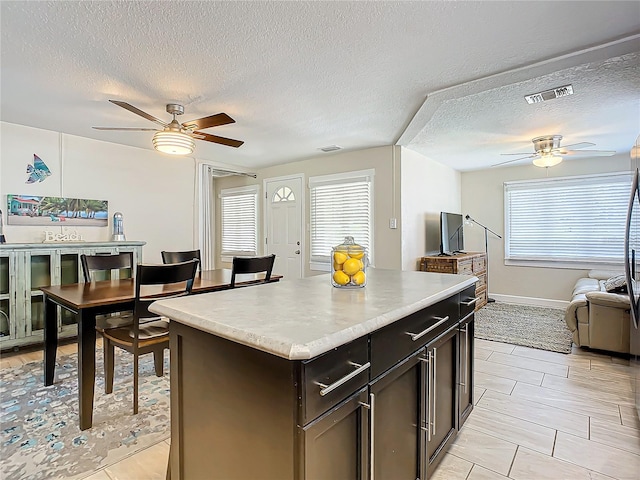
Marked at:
<point>301,380</point>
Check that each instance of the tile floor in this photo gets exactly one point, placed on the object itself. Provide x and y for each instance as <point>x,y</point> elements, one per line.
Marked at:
<point>538,415</point>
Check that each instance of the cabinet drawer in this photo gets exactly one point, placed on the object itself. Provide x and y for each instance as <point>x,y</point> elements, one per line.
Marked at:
<point>482,281</point>
<point>397,341</point>
<point>479,264</point>
<point>468,301</point>
<point>333,376</point>
<point>465,267</point>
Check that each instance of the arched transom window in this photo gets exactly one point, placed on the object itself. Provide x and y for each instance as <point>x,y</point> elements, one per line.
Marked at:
<point>283,194</point>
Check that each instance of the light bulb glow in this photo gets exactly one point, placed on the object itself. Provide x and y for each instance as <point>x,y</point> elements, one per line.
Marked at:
<point>173,143</point>
<point>547,160</point>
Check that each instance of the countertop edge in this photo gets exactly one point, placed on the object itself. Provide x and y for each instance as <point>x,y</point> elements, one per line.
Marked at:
<point>314,348</point>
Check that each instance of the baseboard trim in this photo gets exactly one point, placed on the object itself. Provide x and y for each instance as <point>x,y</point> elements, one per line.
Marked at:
<point>538,302</point>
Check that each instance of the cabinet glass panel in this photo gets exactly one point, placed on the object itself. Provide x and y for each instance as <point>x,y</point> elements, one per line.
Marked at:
<point>37,313</point>
<point>67,317</point>
<point>40,271</point>
<point>69,264</point>
<point>4,275</point>
<point>4,318</point>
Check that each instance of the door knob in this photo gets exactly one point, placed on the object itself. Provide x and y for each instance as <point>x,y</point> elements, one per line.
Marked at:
<point>297,252</point>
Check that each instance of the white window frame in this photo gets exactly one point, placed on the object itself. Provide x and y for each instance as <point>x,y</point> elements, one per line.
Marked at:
<point>322,262</point>
<point>252,190</point>
<point>585,182</point>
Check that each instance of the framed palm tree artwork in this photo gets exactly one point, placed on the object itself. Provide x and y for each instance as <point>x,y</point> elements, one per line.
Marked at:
<point>40,210</point>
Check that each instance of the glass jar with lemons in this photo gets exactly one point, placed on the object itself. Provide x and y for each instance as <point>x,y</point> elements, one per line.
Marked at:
<point>349,264</point>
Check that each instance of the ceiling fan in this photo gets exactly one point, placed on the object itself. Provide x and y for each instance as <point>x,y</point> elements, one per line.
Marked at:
<point>547,151</point>
<point>177,138</point>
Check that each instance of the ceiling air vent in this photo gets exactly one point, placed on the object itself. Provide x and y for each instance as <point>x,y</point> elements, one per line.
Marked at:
<point>549,94</point>
<point>331,148</point>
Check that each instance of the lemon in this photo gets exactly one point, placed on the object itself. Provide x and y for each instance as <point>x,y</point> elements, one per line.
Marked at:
<point>352,266</point>
<point>337,266</point>
<point>341,278</point>
<point>356,252</point>
<point>358,278</point>
<point>339,257</point>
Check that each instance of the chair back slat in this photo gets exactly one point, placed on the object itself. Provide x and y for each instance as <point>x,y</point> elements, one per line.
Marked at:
<point>177,257</point>
<point>176,277</point>
<point>104,262</point>
<point>252,265</point>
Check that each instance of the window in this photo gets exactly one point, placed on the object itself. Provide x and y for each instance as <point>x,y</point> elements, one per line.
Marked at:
<point>574,222</point>
<point>341,205</point>
<point>239,220</point>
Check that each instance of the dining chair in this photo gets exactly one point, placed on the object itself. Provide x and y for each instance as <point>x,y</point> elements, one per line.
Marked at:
<point>150,332</point>
<point>176,257</point>
<point>242,265</point>
<point>92,265</point>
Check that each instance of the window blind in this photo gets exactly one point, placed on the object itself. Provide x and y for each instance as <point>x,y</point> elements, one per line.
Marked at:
<point>341,205</point>
<point>572,219</point>
<point>239,221</point>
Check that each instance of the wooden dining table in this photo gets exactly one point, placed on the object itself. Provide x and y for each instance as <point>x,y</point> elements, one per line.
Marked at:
<point>87,300</point>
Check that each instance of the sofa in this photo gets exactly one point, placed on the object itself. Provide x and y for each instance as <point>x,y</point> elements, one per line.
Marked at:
<point>598,314</point>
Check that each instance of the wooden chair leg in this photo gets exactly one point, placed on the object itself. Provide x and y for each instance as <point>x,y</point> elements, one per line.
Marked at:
<point>158,360</point>
<point>109,364</point>
<point>135,384</point>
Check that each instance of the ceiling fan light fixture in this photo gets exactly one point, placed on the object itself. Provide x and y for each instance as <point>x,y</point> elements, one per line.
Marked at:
<point>547,161</point>
<point>173,143</point>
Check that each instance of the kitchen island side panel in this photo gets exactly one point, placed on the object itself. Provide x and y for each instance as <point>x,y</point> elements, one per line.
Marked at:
<point>235,412</point>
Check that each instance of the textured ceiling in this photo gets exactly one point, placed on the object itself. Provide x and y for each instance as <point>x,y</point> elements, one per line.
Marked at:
<point>446,79</point>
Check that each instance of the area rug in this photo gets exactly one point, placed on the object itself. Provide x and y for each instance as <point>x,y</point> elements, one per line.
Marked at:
<point>39,432</point>
<point>537,327</point>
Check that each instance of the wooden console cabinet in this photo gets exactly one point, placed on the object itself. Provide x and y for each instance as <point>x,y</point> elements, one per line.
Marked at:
<point>473,263</point>
<point>24,267</point>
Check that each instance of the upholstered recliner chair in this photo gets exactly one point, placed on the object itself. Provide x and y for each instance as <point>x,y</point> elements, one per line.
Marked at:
<point>597,318</point>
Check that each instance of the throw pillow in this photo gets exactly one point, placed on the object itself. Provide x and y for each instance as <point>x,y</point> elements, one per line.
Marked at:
<point>617,284</point>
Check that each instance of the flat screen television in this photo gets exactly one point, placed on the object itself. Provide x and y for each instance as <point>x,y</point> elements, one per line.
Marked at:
<point>451,233</point>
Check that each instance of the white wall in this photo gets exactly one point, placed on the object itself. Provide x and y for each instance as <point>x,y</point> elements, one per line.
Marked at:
<point>483,199</point>
<point>428,188</point>
<point>154,192</point>
<point>387,242</point>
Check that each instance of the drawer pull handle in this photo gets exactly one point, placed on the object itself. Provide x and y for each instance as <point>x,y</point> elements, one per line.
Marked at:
<point>326,389</point>
<point>416,336</point>
<point>469,302</point>
<point>466,317</point>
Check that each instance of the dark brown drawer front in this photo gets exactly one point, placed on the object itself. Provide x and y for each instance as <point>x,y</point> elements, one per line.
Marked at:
<point>333,376</point>
<point>468,301</point>
<point>397,341</point>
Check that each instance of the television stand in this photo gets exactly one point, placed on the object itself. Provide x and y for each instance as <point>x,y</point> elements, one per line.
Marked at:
<point>470,263</point>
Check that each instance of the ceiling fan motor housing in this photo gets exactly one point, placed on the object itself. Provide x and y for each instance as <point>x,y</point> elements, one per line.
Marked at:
<point>546,143</point>
<point>175,109</point>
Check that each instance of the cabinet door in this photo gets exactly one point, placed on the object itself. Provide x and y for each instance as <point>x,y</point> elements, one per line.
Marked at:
<point>394,399</point>
<point>336,444</point>
<point>7,297</point>
<point>441,412</point>
<point>465,383</point>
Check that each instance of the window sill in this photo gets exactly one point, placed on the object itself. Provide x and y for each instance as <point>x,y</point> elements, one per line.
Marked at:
<point>575,265</point>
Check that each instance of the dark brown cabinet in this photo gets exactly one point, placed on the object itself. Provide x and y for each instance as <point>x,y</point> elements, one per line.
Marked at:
<point>384,406</point>
<point>465,371</point>
<point>336,445</point>
<point>395,399</point>
<point>440,409</point>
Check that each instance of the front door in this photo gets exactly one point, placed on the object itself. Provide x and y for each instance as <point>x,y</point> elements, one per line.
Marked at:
<point>284,224</point>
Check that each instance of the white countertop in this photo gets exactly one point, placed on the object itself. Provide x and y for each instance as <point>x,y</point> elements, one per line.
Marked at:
<point>301,319</point>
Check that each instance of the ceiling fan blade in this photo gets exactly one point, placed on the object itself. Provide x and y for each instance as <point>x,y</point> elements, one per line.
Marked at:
<point>514,160</point>
<point>137,111</point>
<point>590,153</point>
<point>216,139</point>
<point>520,153</point>
<point>576,146</point>
<point>208,122</point>
<point>132,129</point>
